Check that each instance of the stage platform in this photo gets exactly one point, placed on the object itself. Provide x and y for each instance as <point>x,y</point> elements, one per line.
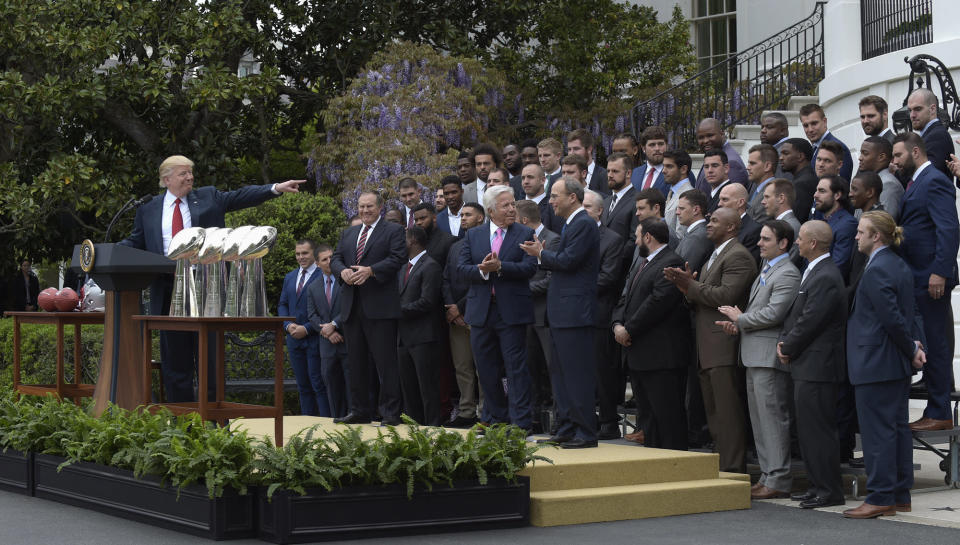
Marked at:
<point>615,481</point>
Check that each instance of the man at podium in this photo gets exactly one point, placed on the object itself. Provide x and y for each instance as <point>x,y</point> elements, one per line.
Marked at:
<point>179,207</point>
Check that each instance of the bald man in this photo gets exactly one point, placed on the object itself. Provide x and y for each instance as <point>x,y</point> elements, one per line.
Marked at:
<point>734,197</point>
<point>710,136</point>
<point>924,105</point>
<point>811,345</point>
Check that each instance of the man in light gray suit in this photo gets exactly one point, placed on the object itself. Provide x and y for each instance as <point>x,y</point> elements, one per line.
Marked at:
<point>695,248</point>
<point>768,380</point>
<point>778,199</point>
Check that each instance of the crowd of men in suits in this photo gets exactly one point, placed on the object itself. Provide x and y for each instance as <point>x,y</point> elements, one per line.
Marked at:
<point>780,299</point>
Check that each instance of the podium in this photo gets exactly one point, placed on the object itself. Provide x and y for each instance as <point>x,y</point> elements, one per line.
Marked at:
<point>122,272</point>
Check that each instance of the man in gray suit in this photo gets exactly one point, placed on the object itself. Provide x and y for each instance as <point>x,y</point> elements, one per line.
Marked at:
<point>694,247</point>
<point>778,199</point>
<point>811,345</point>
<point>538,333</point>
<point>768,380</point>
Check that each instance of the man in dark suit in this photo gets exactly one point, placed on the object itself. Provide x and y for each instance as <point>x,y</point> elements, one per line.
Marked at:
<point>410,196</point>
<point>814,123</point>
<point>811,345</point>
<point>534,184</point>
<point>366,260</point>
<point>438,240</point>
<point>734,197</point>
<point>419,331</point>
<point>610,386</point>
<point>724,280</point>
<point>619,209</point>
<point>538,333</point>
<point>924,106</point>
<point>25,287</point>
<point>650,173</point>
<point>694,247</point>
<point>581,142</point>
<point>710,137</point>
<point>832,203</point>
<point>762,164</point>
<point>302,347</point>
<point>513,163</point>
<point>499,308</point>
<point>549,153</point>
<point>873,118</point>
<point>882,349</point>
<point>323,311</point>
<point>715,169</point>
<point>180,207</point>
<point>448,219</point>
<point>795,157</point>
<point>454,291</point>
<point>774,131</point>
<point>571,302</point>
<point>652,325</point>
<point>928,216</point>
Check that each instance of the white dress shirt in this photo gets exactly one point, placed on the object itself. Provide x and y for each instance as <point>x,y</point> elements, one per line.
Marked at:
<point>166,218</point>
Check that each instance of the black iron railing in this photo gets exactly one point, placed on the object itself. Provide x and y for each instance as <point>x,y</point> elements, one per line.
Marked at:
<point>739,89</point>
<point>892,25</point>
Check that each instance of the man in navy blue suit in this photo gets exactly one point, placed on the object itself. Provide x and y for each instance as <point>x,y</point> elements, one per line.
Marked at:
<point>302,348</point>
<point>882,349</point>
<point>180,207</point>
<point>448,220</point>
<point>571,297</point>
<point>323,311</point>
<point>924,105</point>
<point>814,123</point>
<point>831,202</point>
<point>931,237</point>
<point>650,173</point>
<point>499,308</point>
<point>366,261</point>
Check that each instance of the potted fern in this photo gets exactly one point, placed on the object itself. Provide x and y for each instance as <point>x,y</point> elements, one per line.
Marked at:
<point>16,461</point>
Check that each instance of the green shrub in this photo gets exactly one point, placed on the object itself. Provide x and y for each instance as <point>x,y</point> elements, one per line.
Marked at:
<point>39,351</point>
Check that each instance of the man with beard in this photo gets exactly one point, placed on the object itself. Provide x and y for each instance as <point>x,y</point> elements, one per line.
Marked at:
<point>710,138</point>
<point>533,181</point>
<point>873,118</point>
<point>580,142</point>
<point>454,291</point>
<point>928,215</point>
<point>875,155</point>
<point>618,209</point>
<point>774,131</point>
<point>795,156</point>
<point>676,175</point>
<point>654,142</point>
<point>439,203</point>
<point>438,241</point>
<point>814,123</point>
<point>832,204</point>
<point>485,159</point>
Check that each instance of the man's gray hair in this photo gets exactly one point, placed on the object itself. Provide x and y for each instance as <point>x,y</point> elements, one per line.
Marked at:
<point>572,186</point>
<point>490,195</point>
<point>593,195</point>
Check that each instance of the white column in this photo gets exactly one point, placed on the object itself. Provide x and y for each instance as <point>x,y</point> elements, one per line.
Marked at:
<point>841,35</point>
<point>946,13</point>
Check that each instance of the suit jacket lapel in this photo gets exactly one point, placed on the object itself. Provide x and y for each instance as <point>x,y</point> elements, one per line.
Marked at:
<point>194,205</point>
<point>156,231</point>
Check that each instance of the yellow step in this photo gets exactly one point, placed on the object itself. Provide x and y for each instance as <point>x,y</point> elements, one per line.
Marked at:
<point>561,507</point>
<point>735,476</point>
<point>616,465</point>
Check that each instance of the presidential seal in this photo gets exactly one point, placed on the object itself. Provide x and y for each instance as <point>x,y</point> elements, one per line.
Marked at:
<point>87,254</point>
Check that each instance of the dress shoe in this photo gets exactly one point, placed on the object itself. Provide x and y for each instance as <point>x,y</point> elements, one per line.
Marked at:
<point>390,421</point>
<point>856,463</point>
<point>818,502</point>
<point>609,431</point>
<point>755,486</point>
<point>764,493</point>
<point>868,511</point>
<point>578,443</point>
<point>556,439</point>
<point>904,507</point>
<point>930,424</point>
<point>803,496</point>
<point>635,437</point>
<point>352,418</point>
<point>460,422</point>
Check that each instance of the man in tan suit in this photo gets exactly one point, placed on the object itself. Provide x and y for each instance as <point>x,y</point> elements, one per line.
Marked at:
<point>724,280</point>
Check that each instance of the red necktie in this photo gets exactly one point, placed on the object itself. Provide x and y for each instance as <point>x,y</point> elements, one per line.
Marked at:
<point>303,276</point>
<point>177,224</point>
<point>362,242</point>
<point>649,180</point>
<point>637,274</point>
<point>409,219</point>
<point>406,275</point>
<point>329,290</point>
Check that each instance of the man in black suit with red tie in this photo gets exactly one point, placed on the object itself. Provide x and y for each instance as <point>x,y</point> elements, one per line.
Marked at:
<point>571,299</point>
<point>366,261</point>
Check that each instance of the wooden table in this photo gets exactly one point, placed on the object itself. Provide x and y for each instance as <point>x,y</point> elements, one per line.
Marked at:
<point>61,388</point>
<point>219,409</point>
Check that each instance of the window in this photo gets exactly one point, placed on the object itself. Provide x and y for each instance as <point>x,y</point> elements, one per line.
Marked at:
<point>715,29</point>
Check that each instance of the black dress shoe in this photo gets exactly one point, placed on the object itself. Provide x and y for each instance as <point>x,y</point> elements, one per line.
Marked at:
<point>555,439</point>
<point>803,496</point>
<point>578,443</point>
<point>818,502</point>
<point>856,463</point>
<point>609,431</point>
<point>391,421</point>
<point>461,422</point>
<point>352,418</point>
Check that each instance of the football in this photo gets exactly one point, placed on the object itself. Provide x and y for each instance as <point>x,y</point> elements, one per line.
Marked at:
<point>47,299</point>
<point>66,300</point>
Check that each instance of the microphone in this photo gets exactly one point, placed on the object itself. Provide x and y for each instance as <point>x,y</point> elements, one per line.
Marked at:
<point>133,203</point>
<point>142,201</point>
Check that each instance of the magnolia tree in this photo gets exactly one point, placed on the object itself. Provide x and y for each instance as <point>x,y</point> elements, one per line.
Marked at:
<point>407,115</point>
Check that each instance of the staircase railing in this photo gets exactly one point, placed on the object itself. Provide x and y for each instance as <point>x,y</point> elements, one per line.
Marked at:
<point>738,89</point>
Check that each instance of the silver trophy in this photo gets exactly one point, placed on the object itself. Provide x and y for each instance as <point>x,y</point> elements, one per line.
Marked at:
<point>183,247</point>
<point>211,268</point>
<point>231,258</point>
<point>252,249</point>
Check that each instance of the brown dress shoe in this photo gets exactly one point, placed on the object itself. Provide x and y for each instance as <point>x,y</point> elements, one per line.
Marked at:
<point>903,507</point>
<point>756,486</point>
<point>764,493</point>
<point>635,437</point>
<point>867,511</point>
<point>929,424</point>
